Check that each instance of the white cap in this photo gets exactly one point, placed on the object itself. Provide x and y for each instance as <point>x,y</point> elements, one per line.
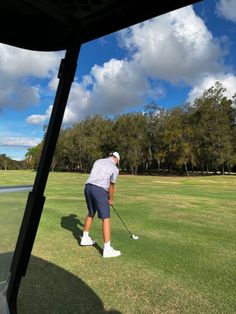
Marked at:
<point>115,154</point>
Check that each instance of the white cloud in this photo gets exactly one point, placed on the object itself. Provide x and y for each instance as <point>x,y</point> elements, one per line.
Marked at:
<point>108,89</point>
<point>118,84</point>
<point>78,103</point>
<point>17,95</point>
<point>176,47</point>
<point>17,66</point>
<point>16,62</point>
<point>228,81</point>
<point>19,141</point>
<point>227,9</point>
<point>40,118</point>
<point>52,85</point>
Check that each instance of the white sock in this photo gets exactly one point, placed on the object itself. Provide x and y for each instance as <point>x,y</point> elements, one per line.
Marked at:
<point>107,245</point>
<point>85,234</point>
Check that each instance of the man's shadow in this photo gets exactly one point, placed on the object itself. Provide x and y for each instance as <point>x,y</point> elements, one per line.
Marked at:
<point>73,224</point>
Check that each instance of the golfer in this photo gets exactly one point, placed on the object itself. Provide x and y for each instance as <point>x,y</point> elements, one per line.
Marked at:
<point>99,192</point>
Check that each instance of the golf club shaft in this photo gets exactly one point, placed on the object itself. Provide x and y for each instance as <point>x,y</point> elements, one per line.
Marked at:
<point>121,220</point>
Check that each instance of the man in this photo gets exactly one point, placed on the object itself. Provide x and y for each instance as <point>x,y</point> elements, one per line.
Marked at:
<point>99,192</point>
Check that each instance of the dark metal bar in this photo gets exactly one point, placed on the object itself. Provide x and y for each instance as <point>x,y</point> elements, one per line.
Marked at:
<point>36,199</point>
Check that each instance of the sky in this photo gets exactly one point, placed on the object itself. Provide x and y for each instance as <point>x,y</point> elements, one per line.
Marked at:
<point>168,60</point>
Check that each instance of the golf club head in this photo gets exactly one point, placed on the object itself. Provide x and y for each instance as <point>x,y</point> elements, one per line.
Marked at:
<point>135,237</point>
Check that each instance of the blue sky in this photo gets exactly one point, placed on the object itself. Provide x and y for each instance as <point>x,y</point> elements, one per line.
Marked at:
<point>170,59</point>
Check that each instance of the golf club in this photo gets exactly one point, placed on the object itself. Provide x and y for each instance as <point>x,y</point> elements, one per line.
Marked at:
<point>135,237</point>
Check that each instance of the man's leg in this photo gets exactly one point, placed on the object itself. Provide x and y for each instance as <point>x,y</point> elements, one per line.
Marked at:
<point>88,223</point>
<point>106,230</point>
<point>86,239</point>
<point>108,251</point>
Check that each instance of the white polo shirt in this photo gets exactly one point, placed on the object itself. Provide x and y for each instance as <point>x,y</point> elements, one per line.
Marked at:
<point>103,173</point>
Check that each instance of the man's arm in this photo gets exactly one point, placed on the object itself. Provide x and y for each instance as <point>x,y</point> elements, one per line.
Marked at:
<point>111,191</point>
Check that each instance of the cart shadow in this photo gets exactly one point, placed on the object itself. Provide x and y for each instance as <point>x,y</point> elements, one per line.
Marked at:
<point>48,288</point>
<point>75,226</point>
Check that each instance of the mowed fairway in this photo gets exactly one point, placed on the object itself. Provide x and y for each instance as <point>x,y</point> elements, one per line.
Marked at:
<point>183,262</point>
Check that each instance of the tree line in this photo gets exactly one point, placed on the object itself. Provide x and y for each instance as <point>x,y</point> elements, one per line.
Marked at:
<point>7,163</point>
<point>191,137</point>
<point>188,138</point>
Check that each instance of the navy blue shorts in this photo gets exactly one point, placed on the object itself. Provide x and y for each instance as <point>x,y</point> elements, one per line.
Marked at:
<point>97,200</point>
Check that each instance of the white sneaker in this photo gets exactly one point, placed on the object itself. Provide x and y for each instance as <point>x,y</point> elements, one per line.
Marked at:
<point>87,241</point>
<point>110,252</point>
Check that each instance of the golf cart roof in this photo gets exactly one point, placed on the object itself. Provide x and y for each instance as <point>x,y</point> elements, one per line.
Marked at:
<point>50,25</point>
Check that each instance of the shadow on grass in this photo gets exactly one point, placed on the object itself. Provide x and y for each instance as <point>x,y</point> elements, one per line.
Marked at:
<point>5,264</point>
<point>71,223</point>
<point>49,289</point>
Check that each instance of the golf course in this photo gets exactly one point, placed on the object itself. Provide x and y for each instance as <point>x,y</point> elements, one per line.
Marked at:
<point>183,262</point>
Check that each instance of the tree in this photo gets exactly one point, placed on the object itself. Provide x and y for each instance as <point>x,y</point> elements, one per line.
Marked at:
<point>213,134</point>
<point>156,117</point>
<point>33,156</point>
<point>177,138</point>
<point>132,140</point>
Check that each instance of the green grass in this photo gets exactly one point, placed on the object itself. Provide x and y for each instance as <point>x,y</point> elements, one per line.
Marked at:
<point>11,213</point>
<point>183,262</point>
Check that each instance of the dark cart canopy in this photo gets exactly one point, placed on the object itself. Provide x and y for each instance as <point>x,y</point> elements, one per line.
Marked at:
<point>50,25</point>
